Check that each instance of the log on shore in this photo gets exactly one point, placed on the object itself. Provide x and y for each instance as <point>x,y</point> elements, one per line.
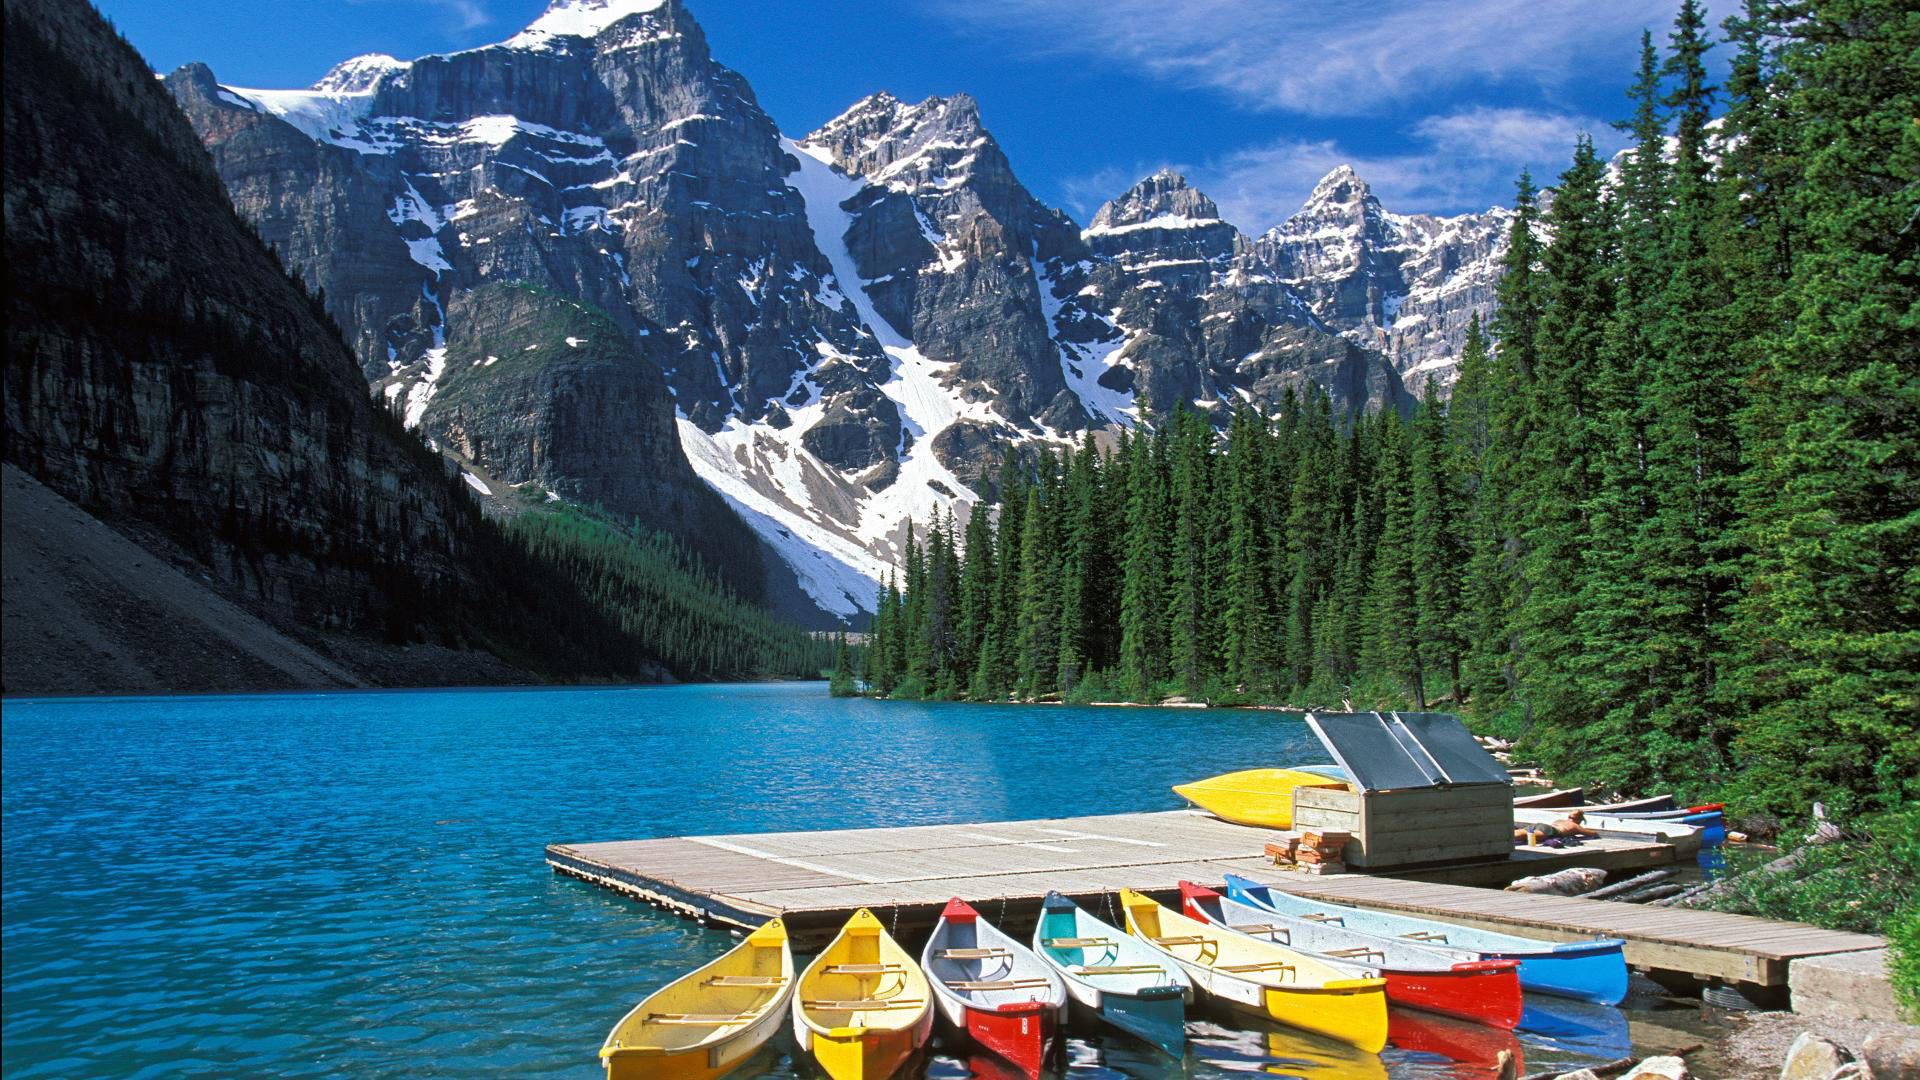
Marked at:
<point>1631,884</point>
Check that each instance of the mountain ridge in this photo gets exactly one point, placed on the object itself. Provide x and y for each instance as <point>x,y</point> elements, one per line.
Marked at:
<point>834,370</point>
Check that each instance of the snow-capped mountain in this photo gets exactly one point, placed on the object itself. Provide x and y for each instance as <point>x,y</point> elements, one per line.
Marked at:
<point>585,263</point>
<point>1402,284</point>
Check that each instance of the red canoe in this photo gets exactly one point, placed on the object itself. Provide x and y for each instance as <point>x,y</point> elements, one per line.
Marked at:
<point>992,988</point>
<point>1442,980</point>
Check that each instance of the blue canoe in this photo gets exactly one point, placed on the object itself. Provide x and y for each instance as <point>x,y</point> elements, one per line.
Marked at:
<point>1594,970</point>
<point>1110,973</point>
<point>1711,823</point>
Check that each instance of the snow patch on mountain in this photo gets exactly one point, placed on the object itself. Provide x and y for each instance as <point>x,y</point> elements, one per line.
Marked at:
<point>837,572</point>
<point>357,75</point>
<point>1084,365</point>
<point>578,18</point>
<point>331,116</point>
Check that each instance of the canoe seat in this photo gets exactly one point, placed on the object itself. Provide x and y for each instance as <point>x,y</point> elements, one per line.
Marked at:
<point>973,954</point>
<point>1341,919</point>
<point>861,969</point>
<point>702,1019</point>
<point>1117,969</point>
<point>1000,984</point>
<point>1267,965</point>
<point>747,980</point>
<point>1074,942</point>
<point>1261,929</point>
<point>1194,939</point>
<point>1361,950</point>
<point>1426,935</point>
<point>868,1005</point>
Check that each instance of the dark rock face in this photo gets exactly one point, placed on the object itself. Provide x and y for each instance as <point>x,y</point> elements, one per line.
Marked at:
<point>1403,285</point>
<point>325,211</point>
<point>163,373</point>
<point>948,236</point>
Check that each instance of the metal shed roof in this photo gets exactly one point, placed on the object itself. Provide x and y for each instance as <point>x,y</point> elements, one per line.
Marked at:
<point>1384,751</point>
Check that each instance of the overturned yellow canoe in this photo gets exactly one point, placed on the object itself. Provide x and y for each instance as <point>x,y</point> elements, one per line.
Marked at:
<point>1263,978</point>
<point>1261,797</point>
<point>710,1019</point>
<point>863,1008</point>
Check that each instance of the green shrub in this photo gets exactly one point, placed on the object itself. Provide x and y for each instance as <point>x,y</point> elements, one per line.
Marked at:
<point>1903,940</point>
<point>1854,884</point>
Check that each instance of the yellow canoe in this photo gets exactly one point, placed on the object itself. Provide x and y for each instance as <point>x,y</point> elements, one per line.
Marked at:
<point>709,1020</point>
<point>1253,796</point>
<point>863,1007</point>
<point>1263,978</point>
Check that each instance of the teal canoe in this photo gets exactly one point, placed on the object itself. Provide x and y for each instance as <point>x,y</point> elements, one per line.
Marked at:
<point>1111,974</point>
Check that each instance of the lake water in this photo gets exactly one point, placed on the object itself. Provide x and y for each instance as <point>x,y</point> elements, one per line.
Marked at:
<point>352,883</point>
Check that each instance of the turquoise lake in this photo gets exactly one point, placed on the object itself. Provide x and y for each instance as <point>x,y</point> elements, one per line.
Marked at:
<point>352,883</point>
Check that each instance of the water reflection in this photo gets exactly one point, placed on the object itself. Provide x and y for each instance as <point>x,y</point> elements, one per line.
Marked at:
<point>1577,1028</point>
<point>1272,1050</point>
<point>1438,1039</point>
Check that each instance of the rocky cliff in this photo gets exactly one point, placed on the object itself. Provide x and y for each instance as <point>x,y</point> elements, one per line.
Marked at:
<point>165,374</point>
<point>1402,285</point>
<point>851,325</point>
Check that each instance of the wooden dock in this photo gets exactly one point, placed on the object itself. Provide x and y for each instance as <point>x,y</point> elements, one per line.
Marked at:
<point>814,880</point>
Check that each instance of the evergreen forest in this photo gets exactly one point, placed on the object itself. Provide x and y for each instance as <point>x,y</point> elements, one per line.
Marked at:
<point>1663,529</point>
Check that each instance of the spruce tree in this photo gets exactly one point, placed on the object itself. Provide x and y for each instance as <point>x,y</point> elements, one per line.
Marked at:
<point>1439,553</point>
<point>976,596</point>
<point>1037,642</point>
<point>1830,624</point>
<point>1246,636</point>
<point>1692,454</point>
<point>1555,469</point>
<point>1143,584</point>
<point>1614,598</point>
<point>1189,622</point>
<point>1392,650</point>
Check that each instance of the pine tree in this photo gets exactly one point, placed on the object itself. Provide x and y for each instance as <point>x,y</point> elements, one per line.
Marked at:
<point>1830,624</point>
<point>1189,615</point>
<point>1037,646</point>
<point>941,611</point>
<point>841,684</point>
<point>1439,553</point>
<point>1143,587</point>
<point>976,596</point>
<point>1496,591</point>
<point>1555,468</point>
<point>1614,598</point>
<point>1246,645</point>
<point>1692,455</point>
<point>1313,520</point>
<point>1392,649</point>
<point>998,662</point>
<point>1079,581</point>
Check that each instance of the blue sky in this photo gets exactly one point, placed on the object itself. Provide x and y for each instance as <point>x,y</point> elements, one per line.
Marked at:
<point>1438,103</point>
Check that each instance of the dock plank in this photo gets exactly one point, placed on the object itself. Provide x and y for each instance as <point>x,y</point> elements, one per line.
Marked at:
<point>815,879</point>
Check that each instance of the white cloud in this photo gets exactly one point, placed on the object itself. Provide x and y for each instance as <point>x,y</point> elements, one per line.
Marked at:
<point>462,15</point>
<point>1464,160</point>
<point>1324,57</point>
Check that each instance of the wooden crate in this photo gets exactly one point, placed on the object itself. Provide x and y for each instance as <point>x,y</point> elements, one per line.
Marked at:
<point>1412,825</point>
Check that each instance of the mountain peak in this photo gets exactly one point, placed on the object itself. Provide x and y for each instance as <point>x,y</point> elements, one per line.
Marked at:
<point>580,18</point>
<point>1341,185</point>
<point>1164,198</point>
<point>358,74</point>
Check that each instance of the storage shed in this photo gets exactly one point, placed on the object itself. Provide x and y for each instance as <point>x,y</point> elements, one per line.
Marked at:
<point>1422,792</point>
